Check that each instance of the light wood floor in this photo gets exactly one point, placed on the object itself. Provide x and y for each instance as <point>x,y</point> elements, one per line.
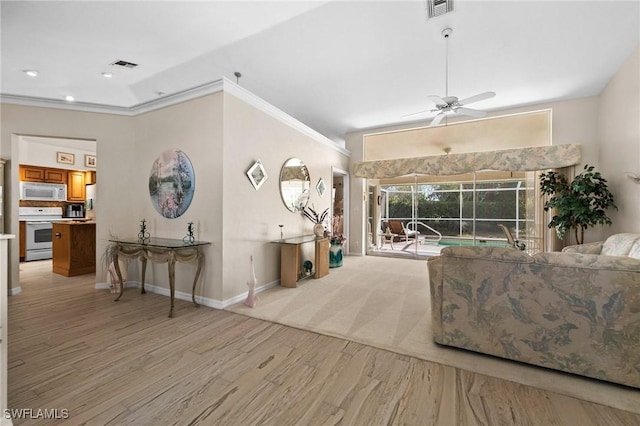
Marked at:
<point>71,347</point>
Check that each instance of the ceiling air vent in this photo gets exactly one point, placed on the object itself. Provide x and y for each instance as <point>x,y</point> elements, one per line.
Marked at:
<point>438,7</point>
<point>124,64</point>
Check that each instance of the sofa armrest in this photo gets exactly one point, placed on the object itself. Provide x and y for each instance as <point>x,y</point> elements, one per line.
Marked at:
<point>434,266</point>
<point>589,248</point>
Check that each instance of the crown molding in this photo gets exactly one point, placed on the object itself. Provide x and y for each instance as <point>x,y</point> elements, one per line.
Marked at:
<point>220,85</point>
<point>60,104</point>
<point>264,106</point>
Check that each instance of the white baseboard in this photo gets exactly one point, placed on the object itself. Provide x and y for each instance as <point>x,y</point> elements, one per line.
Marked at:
<point>243,296</point>
<point>15,290</point>
<point>205,301</point>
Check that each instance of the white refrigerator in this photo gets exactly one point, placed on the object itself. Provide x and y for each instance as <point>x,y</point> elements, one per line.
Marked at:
<point>90,201</point>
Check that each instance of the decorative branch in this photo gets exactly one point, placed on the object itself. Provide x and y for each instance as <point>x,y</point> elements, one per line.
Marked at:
<point>313,216</point>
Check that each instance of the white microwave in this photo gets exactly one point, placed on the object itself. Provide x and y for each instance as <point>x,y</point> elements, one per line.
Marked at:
<point>43,191</point>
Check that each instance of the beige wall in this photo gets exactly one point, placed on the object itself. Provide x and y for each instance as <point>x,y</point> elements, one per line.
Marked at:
<point>619,132</point>
<point>489,134</point>
<point>194,127</point>
<point>251,217</point>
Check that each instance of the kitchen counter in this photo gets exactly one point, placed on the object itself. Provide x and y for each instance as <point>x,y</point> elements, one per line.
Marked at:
<point>75,221</point>
<point>74,247</point>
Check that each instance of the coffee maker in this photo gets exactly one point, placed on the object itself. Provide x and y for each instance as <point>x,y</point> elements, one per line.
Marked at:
<point>75,210</point>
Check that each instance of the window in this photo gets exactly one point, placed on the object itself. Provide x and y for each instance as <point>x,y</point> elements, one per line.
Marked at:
<point>462,210</point>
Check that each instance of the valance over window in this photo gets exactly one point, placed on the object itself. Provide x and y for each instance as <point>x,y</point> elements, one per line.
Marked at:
<point>514,160</point>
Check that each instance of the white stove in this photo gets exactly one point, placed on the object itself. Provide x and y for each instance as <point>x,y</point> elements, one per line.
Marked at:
<point>39,230</point>
<point>39,214</point>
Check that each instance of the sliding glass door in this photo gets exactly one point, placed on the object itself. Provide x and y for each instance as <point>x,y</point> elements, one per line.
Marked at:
<point>463,212</point>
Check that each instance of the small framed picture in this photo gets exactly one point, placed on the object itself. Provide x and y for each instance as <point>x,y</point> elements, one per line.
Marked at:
<point>257,174</point>
<point>66,158</point>
<point>89,160</point>
<point>321,187</point>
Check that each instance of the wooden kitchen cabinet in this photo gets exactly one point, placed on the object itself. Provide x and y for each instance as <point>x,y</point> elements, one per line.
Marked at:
<point>75,186</point>
<point>42,174</point>
<point>90,177</point>
<point>31,174</point>
<point>55,176</point>
<point>23,240</point>
<point>74,248</point>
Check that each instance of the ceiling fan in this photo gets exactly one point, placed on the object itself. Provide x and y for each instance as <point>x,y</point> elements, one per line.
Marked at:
<point>447,104</point>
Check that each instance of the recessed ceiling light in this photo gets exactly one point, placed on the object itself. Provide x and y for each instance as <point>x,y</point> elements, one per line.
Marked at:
<point>69,98</point>
<point>31,73</point>
<point>107,74</point>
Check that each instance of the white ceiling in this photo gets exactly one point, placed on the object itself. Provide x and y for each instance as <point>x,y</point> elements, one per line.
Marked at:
<point>336,66</point>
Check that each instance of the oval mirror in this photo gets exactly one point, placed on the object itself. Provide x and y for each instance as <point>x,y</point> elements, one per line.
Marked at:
<point>295,184</point>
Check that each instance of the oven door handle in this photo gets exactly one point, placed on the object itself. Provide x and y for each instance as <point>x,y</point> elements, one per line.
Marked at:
<point>39,223</point>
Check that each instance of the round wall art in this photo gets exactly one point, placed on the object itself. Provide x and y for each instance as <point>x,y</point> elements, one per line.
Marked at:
<point>172,183</point>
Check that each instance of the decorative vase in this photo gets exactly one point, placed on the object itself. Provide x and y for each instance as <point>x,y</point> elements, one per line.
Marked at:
<point>318,230</point>
<point>335,255</point>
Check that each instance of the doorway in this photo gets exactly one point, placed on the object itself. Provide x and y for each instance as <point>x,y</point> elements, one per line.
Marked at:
<point>339,204</point>
<point>67,163</point>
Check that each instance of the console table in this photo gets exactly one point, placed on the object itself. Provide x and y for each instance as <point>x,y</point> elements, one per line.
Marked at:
<point>290,258</point>
<point>164,250</point>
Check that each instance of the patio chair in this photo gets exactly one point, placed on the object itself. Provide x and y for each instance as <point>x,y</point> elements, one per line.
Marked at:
<point>403,233</point>
<point>512,241</point>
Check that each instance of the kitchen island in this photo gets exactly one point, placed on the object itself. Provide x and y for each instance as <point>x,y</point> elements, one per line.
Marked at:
<point>74,248</point>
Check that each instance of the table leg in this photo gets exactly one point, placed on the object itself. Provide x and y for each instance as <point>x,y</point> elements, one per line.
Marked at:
<point>116,264</point>
<point>195,280</point>
<point>172,284</point>
<point>143,259</point>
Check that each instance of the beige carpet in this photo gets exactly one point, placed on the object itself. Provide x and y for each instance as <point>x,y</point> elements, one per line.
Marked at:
<point>384,302</point>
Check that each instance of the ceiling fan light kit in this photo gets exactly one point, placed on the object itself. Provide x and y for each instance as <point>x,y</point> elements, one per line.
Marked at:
<point>447,104</point>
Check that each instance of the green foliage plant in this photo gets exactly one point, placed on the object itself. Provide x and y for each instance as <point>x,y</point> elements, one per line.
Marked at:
<point>579,204</point>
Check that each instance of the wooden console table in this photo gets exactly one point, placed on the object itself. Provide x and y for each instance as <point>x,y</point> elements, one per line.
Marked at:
<point>164,250</point>
<point>290,264</point>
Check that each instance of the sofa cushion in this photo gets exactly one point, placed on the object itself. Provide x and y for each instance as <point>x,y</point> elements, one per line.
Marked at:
<point>588,261</point>
<point>635,250</point>
<point>587,248</point>
<point>619,244</point>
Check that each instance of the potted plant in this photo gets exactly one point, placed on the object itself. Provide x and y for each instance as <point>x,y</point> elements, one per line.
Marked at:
<point>579,204</point>
<point>317,219</point>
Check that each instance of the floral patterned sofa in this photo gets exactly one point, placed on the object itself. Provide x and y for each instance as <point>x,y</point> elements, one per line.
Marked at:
<point>577,311</point>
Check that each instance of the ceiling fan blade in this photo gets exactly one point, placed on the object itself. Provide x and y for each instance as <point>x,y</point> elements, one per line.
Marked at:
<point>416,113</point>
<point>470,112</point>
<point>437,100</point>
<point>477,98</point>
<point>437,119</point>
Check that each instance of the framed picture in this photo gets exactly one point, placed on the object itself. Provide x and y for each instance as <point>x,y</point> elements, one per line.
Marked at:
<point>89,160</point>
<point>66,158</point>
<point>257,174</point>
<point>172,183</point>
<point>321,187</point>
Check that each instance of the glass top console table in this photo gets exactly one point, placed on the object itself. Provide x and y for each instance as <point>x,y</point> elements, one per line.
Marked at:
<point>290,265</point>
<point>163,250</point>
